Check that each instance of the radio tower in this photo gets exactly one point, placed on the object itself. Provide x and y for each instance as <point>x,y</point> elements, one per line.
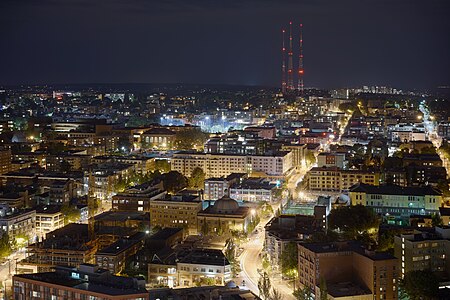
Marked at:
<point>283,65</point>
<point>290,81</point>
<point>301,71</point>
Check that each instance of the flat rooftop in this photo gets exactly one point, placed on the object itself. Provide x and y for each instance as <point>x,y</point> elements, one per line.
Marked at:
<point>111,285</point>
<point>346,289</point>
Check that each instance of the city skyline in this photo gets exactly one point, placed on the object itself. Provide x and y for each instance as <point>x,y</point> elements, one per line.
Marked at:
<point>397,43</point>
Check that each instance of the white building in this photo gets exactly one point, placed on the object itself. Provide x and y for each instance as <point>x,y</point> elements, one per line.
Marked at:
<point>331,160</point>
<point>218,165</point>
<point>17,223</point>
<point>48,218</point>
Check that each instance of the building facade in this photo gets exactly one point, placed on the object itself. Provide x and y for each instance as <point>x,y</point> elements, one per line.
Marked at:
<point>86,282</point>
<point>397,200</point>
<point>177,211</point>
<point>372,275</point>
<point>336,180</point>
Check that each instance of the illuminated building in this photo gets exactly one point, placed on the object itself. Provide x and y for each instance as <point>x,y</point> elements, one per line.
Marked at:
<point>224,215</point>
<point>85,282</point>
<point>218,165</point>
<point>335,180</point>
<point>424,250</point>
<point>176,211</point>
<point>397,200</point>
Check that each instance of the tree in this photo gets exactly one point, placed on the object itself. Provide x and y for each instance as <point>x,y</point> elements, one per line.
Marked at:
<point>5,245</point>
<point>190,139</point>
<point>174,181</point>
<point>310,158</point>
<point>197,178</point>
<point>420,285</point>
<point>264,286</point>
<point>204,229</point>
<point>353,221</point>
<point>436,220</point>
<point>70,212</point>
<point>442,185</point>
<point>428,150</point>
<point>230,254</point>
<point>289,260</point>
<point>323,289</point>
<point>162,165</point>
<point>276,295</point>
<point>303,293</point>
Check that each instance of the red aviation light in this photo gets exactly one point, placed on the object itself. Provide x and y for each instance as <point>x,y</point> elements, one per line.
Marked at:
<point>301,71</point>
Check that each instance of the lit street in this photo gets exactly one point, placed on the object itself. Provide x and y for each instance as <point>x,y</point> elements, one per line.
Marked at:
<point>250,261</point>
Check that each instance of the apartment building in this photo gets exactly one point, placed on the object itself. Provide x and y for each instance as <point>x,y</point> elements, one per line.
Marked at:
<point>139,197</point>
<point>86,282</point>
<point>114,256</point>
<point>216,188</point>
<point>348,271</point>
<point>18,223</point>
<point>425,249</point>
<point>48,218</point>
<point>189,268</point>
<point>334,179</point>
<point>176,211</point>
<point>218,165</point>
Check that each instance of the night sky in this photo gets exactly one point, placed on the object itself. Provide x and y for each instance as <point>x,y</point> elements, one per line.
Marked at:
<point>401,43</point>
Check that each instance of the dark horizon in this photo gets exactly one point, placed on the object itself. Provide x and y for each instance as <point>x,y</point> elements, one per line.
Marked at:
<point>402,44</point>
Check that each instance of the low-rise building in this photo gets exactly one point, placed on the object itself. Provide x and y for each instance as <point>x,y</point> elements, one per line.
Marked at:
<point>139,197</point>
<point>366,274</point>
<point>48,218</point>
<point>331,160</point>
<point>158,138</point>
<point>254,190</point>
<point>224,215</point>
<point>176,211</point>
<point>397,200</point>
<point>228,292</point>
<point>216,188</point>
<point>203,263</point>
<point>187,268</point>
<point>18,223</point>
<point>85,282</point>
<point>113,257</point>
<point>70,245</point>
<point>424,249</point>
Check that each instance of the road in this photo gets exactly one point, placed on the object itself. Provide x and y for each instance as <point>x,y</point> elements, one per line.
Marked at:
<point>251,261</point>
<point>430,129</point>
<point>7,269</point>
